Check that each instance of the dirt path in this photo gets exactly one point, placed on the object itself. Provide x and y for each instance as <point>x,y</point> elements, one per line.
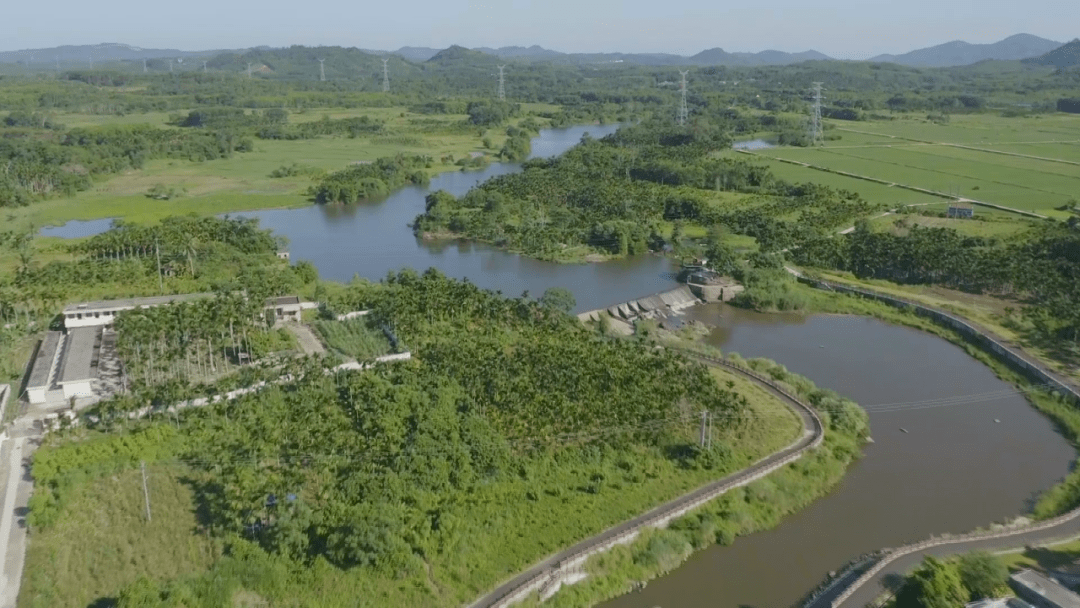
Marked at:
<point>309,342</point>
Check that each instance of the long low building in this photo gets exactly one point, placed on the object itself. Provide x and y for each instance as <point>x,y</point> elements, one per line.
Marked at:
<point>103,312</point>
<point>78,369</point>
<point>40,379</point>
<point>1042,592</point>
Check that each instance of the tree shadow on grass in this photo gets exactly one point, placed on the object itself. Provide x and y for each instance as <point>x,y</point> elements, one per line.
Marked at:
<point>104,602</point>
<point>1049,559</point>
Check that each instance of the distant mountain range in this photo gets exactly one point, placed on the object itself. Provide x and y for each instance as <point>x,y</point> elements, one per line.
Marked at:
<point>109,51</point>
<point>957,53</point>
<point>1065,56</point>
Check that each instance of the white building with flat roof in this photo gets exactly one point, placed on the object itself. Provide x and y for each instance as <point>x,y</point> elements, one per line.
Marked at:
<point>95,314</point>
<point>78,369</point>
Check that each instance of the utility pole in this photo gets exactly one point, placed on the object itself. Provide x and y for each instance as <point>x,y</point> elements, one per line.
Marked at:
<point>704,422</point>
<point>91,59</point>
<point>170,66</point>
<point>684,111</point>
<point>144,65</point>
<point>385,76</point>
<point>816,136</point>
<point>161,280</point>
<point>322,71</point>
<point>502,87</point>
<point>204,67</point>
<point>57,63</point>
<point>249,69</point>
<point>146,492</point>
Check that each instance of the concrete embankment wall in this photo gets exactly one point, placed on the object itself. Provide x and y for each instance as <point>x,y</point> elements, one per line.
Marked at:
<point>662,304</point>
<point>1011,356</point>
<point>1030,368</point>
<point>5,395</point>
<point>568,567</point>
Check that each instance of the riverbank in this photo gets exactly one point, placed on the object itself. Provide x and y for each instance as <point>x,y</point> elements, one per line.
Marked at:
<point>758,506</point>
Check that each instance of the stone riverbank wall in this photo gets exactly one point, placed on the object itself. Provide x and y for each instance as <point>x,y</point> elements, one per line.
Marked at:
<point>568,567</point>
<point>660,305</point>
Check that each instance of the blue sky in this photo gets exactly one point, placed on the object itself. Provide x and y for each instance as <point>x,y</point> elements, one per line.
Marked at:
<point>847,29</point>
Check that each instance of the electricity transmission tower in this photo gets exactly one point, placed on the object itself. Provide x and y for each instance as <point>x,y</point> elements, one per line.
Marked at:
<point>385,76</point>
<point>322,71</point>
<point>816,136</point>
<point>170,66</point>
<point>204,67</point>
<point>684,111</point>
<point>144,65</point>
<point>249,69</point>
<point>91,59</point>
<point>502,87</point>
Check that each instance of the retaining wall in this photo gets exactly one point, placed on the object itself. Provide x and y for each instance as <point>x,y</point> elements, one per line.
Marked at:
<point>5,394</point>
<point>625,533</point>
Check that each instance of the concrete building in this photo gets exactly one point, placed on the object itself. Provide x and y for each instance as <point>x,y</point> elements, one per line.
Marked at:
<point>1001,602</point>
<point>285,308</point>
<point>961,210</point>
<point>41,369</point>
<point>1041,592</point>
<point>78,368</point>
<point>103,313</point>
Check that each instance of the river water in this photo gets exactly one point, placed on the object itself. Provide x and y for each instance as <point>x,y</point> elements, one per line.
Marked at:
<point>955,468</point>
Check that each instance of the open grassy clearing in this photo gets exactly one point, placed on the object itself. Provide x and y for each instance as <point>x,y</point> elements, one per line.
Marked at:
<point>978,180</point>
<point>243,182</point>
<point>873,192</point>
<point>997,226</point>
<point>1043,558</point>
<point>973,129</point>
<point>104,542</point>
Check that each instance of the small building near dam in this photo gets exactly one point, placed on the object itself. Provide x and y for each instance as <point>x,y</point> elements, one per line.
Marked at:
<point>103,313</point>
<point>1042,592</point>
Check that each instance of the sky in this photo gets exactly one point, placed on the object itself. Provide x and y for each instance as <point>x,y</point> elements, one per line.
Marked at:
<point>845,29</point>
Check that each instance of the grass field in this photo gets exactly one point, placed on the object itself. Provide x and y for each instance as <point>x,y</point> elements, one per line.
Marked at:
<point>104,542</point>
<point>243,182</point>
<point>998,226</point>
<point>913,152</point>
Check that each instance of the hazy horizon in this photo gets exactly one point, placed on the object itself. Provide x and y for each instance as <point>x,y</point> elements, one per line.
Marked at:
<point>843,29</point>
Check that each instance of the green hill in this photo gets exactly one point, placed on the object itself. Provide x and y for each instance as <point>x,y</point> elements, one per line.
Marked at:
<point>1065,56</point>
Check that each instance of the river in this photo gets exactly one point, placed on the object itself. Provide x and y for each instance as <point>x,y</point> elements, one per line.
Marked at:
<point>372,238</point>
<point>954,469</point>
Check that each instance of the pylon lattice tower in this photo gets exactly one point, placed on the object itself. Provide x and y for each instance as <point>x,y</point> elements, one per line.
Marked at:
<point>249,69</point>
<point>684,111</point>
<point>385,76</point>
<point>502,84</point>
<point>816,135</point>
<point>322,70</point>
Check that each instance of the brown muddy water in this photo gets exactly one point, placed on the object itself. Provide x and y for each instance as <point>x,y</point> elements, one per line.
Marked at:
<point>953,470</point>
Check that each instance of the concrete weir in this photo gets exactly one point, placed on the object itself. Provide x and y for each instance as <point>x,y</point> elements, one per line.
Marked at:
<point>659,305</point>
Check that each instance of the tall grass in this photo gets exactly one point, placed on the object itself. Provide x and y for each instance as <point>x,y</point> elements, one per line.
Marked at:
<point>354,338</point>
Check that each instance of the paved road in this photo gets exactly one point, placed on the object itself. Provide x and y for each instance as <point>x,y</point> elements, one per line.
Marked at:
<point>813,431</point>
<point>19,443</point>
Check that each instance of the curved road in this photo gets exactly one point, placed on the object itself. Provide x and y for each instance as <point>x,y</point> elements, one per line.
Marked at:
<point>812,436</point>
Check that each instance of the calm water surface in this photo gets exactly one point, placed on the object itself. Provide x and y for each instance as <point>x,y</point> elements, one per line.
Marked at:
<point>954,470</point>
<point>370,239</point>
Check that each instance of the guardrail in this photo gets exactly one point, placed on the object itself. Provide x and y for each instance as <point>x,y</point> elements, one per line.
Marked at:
<point>949,540</point>
<point>627,532</point>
